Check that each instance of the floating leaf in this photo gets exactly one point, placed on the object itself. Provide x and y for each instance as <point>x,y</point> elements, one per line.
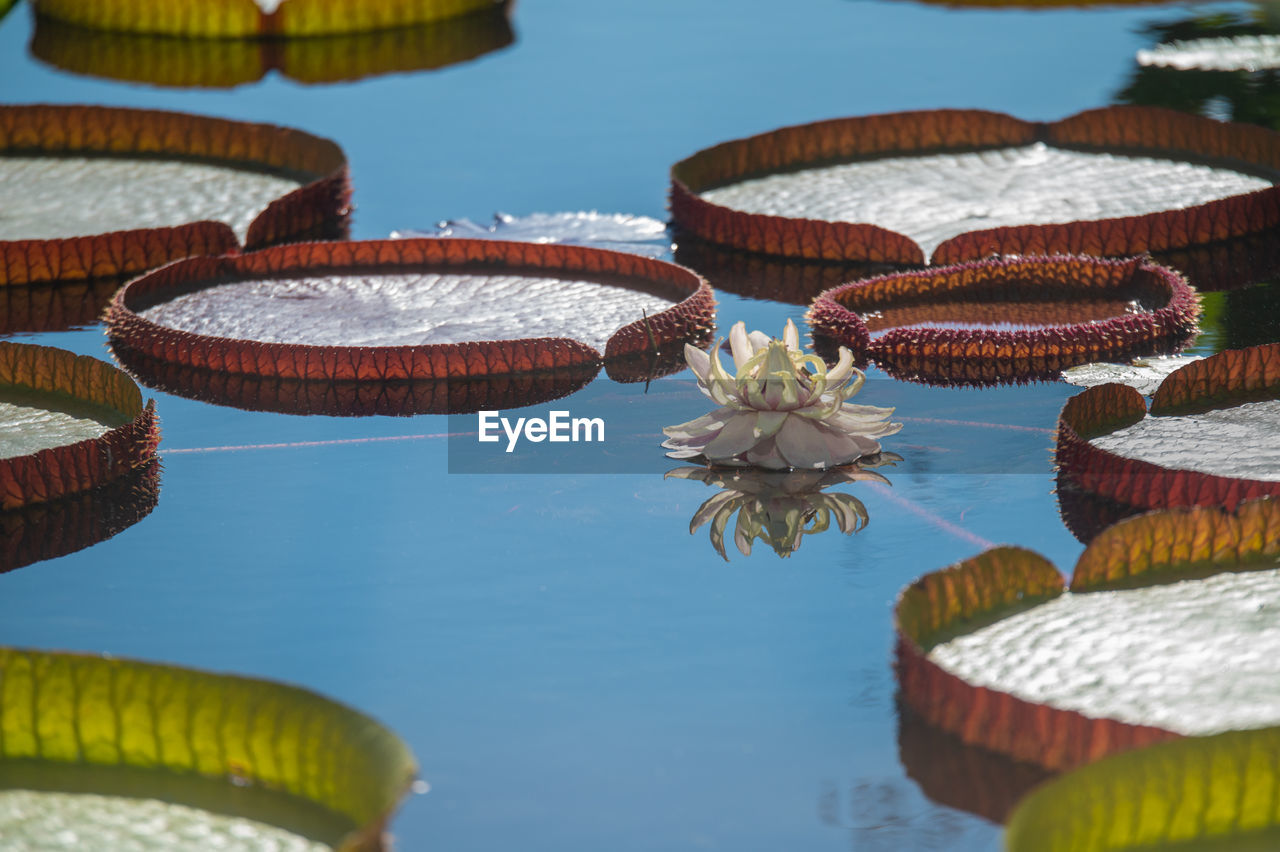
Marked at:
<point>838,189</point>
<point>354,398</point>
<point>84,724</point>
<point>1077,676</point>
<point>1223,53</point>
<point>253,18</point>
<point>1008,319</point>
<point>154,180</point>
<point>408,309</point>
<point>616,231</point>
<point>81,423</point>
<point>1195,793</point>
<point>1208,440</point>
<point>1086,514</point>
<point>1142,374</point>
<point>58,527</point>
<point>162,60</point>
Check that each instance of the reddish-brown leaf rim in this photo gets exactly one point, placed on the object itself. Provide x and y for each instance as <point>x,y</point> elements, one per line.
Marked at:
<point>319,208</point>
<point>1120,129</point>
<point>72,468</point>
<point>1150,549</point>
<point>350,398</point>
<point>245,19</point>
<point>1021,289</point>
<point>978,591</point>
<point>690,317</point>
<point>1228,378</point>
<point>58,527</point>
<point>225,62</point>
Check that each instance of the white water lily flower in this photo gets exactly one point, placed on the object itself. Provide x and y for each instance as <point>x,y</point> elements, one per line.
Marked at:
<point>783,409</point>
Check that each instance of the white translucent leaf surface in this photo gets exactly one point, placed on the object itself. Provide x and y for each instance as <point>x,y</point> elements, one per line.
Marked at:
<point>617,231</point>
<point>80,821</point>
<point>1241,441</point>
<point>1236,53</point>
<point>55,197</point>
<point>408,309</point>
<point>1197,657</point>
<point>1143,375</point>
<point>936,197</point>
<point>26,429</point>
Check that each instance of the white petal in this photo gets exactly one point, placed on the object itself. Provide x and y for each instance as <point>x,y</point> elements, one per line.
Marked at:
<point>698,361</point>
<point>791,336</point>
<point>737,436</point>
<point>740,345</point>
<point>803,445</point>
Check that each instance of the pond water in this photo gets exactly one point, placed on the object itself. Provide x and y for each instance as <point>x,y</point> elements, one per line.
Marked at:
<point>573,668</point>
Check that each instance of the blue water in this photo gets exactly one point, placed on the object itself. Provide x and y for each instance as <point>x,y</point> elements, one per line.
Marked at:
<point>574,670</point>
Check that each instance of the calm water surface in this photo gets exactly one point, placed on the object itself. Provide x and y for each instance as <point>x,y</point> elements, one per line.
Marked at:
<point>574,670</point>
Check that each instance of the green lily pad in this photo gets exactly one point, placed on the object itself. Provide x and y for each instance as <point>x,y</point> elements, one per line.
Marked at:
<point>128,752</point>
<point>1198,793</point>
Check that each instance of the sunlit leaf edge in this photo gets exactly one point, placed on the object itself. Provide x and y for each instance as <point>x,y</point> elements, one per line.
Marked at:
<point>162,60</point>
<point>59,471</point>
<point>1155,548</point>
<point>943,355</point>
<point>1125,129</point>
<point>960,598</point>
<point>1227,378</point>
<point>1191,793</point>
<point>57,527</point>
<point>320,206</point>
<point>691,317</point>
<point>245,19</point>
<point>1245,375</point>
<point>351,398</point>
<point>69,708</point>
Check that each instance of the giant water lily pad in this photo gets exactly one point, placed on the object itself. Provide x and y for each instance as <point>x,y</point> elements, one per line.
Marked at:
<point>224,62</point>
<point>1204,793</point>
<point>616,231</point>
<point>101,192</point>
<point>408,309</point>
<point>963,184</point>
<point>136,752</point>
<point>1165,632</point>
<point>1208,440</point>
<point>254,18</point>
<point>1008,319</point>
<point>71,423</point>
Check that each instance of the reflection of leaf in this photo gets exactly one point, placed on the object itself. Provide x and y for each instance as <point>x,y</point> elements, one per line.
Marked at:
<point>616,231</point>
<point>111,432</point>
<point>353,398</point>
<point>752,193</point>
<point>1204,443</point>
<point>98,154</point>
<point>247,18</point>
<point>70,711</point>
<point>758,276</point>
<point>780,508</point>
<point>55,307</point>
<point>962,776</point>
<point>1198,793</point>
<point>58,527</point>
<point>497,291</point>
<point>224,62</point>
<point>1079,675</point>
<point>1008,319</point>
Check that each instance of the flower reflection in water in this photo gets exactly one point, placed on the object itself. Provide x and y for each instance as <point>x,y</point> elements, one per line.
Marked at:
<point>780,507</point>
